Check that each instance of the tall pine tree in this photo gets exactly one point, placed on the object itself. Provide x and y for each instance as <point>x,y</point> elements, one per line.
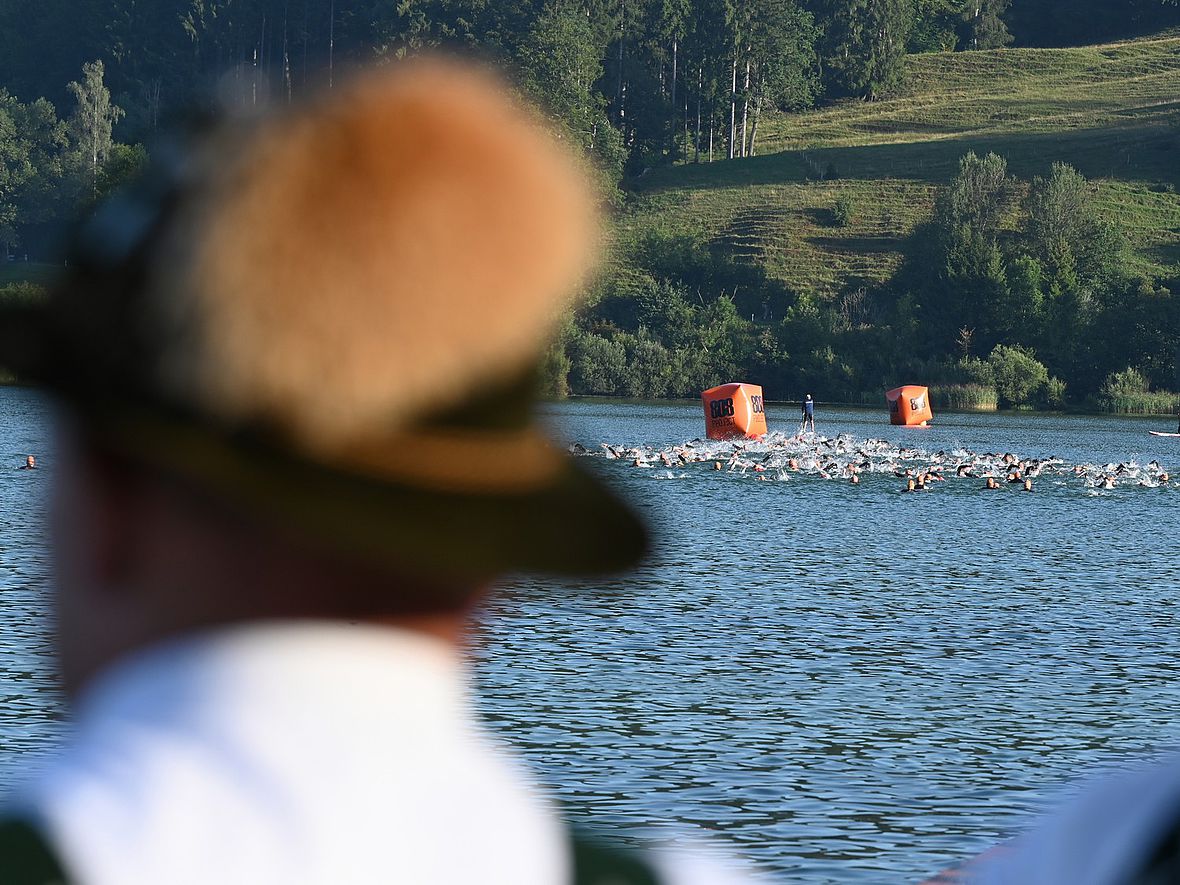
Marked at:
<point>983,25</point>
<point>864,45</point>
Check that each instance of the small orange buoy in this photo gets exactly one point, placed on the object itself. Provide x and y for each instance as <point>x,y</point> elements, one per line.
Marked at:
<point>909,406</point>
<point>734,410</point>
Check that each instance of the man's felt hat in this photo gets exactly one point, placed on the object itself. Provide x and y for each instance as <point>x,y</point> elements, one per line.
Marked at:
<point>331,315</point>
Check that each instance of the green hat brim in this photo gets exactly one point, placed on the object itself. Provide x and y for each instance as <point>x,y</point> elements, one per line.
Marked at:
<point>570,525</point>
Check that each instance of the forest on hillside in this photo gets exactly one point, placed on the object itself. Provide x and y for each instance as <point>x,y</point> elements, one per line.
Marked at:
<point>640,85</point>
<point>1014,293</point>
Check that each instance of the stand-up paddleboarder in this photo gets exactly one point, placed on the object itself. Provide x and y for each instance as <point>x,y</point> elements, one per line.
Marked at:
<point>808,414</point>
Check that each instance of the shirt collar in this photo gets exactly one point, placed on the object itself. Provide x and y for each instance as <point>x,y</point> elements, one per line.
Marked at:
<point>260,669</point>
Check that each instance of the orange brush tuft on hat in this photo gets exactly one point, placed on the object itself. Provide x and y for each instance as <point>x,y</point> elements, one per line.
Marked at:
<point>332,316</point>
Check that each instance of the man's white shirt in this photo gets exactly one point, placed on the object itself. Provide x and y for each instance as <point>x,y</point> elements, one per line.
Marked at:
<point>297,752</point>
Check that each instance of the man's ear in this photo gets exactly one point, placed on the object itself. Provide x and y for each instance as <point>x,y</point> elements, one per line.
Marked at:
<point>111,504</point>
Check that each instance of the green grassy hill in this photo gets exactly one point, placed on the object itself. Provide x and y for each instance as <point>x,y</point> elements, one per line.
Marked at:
<point>1112,111</point>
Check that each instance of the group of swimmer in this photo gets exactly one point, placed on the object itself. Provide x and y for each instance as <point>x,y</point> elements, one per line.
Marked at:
<point>777,456</point>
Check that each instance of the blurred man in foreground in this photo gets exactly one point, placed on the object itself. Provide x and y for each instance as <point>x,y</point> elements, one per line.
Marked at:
<point>296,369</point>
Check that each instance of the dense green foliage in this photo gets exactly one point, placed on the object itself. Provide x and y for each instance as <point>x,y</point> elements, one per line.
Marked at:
<point>1013,293</point>
<point>1044,217</point>
<point>1079,22</point>
<point>640,83</point>
<point>50,167</point>
<point>864,44</point>
<point>1022,256</point>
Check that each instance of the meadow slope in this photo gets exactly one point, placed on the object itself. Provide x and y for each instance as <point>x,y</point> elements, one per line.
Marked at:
<point>1112,111</point>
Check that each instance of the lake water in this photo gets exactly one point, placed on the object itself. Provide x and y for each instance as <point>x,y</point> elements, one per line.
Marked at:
<point>850,684</point>
<point>29,704</point>
<point>845,684</point>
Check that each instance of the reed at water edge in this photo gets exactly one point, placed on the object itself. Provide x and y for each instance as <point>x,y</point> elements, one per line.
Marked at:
<point>965,397</point>
<point>1143,402</point>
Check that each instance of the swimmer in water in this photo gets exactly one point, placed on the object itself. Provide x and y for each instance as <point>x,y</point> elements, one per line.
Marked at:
<point>1028,485</point>
<point>778,455</point>
<point>910,486</point>
<point>30,463</point>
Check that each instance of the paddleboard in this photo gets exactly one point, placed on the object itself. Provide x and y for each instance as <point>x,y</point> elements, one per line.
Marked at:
<point>1161,433</point>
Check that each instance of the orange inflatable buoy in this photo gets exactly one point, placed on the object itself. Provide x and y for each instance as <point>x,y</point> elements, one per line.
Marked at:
<point>909,406</point>
<point>734,410</point>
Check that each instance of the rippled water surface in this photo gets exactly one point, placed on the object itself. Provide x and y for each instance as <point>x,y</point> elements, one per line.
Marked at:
<point>846,684</point>
<point>849,683</point>
<point>29,705</point>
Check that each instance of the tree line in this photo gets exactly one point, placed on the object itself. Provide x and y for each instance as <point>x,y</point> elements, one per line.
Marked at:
<point>641,83</point>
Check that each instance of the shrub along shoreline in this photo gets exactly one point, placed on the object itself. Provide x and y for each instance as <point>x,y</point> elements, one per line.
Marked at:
<point>1009,379</point>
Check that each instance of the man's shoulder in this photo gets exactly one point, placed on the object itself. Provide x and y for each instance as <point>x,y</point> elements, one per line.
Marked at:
<point>1107,834</point>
